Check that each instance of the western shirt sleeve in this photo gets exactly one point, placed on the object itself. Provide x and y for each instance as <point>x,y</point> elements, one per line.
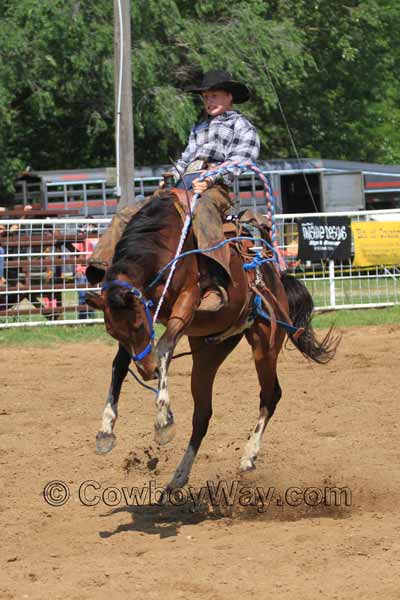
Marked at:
<point>187,156</point>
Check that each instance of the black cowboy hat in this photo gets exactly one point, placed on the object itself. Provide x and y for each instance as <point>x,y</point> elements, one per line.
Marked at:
<point>222,80</point>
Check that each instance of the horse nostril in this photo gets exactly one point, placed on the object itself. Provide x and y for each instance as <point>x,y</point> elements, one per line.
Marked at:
<point>140,367</point>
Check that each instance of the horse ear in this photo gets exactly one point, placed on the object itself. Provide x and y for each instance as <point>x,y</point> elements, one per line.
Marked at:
<point>95,300</point>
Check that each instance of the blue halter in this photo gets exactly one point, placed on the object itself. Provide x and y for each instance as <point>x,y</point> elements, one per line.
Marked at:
<point>147,304</point>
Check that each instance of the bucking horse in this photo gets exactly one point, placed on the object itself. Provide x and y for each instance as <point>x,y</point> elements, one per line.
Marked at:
<point>265,305</point>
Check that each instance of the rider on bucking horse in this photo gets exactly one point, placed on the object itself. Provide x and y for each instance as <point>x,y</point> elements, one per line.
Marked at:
<point>224,135</point>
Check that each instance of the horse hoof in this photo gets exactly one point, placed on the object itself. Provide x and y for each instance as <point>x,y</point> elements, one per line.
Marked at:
<point>105,442</point>
<point>163,435</point>
<point>176,484</point>
<point>247,464</point>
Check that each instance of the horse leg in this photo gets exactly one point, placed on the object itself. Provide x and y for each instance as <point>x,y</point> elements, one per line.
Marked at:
<point>105,439</point>
<point>181,316</point>
<point>265,359</point>
<point>207,358</point>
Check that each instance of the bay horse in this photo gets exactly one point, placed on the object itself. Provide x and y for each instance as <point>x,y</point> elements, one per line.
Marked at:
<point>132,286</point>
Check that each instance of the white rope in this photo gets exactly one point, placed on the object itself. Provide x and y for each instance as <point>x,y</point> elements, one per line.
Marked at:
<point>185,229</point>
<point>224,167</point>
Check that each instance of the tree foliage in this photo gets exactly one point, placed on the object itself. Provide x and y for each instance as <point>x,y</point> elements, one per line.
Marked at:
<point>332,65</point>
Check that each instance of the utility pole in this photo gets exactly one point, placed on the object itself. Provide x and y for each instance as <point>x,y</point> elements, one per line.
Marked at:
<point>123,104</point>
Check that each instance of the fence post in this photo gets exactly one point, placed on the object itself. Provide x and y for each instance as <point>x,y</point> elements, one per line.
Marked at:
<point>332,294</point>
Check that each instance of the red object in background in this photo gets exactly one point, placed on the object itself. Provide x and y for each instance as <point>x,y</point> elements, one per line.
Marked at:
<point>86,248</point>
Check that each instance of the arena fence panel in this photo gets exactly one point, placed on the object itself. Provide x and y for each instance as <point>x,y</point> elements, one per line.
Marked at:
<point>339,284</point>
<point>42,270</point>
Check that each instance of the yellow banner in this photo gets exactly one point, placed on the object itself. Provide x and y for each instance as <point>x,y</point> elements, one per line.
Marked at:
<point>376,243</point>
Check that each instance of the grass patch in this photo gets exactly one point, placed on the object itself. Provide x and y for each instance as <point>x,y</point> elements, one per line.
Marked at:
<point>51,335</point>
<point>358,317</point>
<point>47,336</point>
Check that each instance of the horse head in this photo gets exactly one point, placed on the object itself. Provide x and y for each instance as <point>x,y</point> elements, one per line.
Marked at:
<point>128,319</point>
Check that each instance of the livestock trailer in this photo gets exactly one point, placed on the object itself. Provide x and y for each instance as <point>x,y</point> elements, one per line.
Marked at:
<point>299,186</point>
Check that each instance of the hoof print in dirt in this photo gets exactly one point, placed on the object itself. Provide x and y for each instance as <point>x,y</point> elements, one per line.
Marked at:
<point>132,462</point>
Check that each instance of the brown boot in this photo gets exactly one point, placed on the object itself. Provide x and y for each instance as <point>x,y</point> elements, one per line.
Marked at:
<point>213,299</point>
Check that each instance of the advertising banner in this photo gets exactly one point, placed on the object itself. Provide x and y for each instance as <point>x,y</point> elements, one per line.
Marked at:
<point>324,237</point>
<point>376,243</point>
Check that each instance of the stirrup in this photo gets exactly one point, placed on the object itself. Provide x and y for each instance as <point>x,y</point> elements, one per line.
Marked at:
<point>213,300</point>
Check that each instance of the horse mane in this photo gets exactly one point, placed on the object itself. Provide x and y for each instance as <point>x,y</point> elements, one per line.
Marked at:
<point>145,236</point>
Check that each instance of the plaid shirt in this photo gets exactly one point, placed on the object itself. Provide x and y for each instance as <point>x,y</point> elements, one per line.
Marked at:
<point>228,136</point>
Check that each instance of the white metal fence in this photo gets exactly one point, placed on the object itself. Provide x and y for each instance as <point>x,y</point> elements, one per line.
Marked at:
<point>338,284</point>
<point>42,265</point>
<point>42,270</point>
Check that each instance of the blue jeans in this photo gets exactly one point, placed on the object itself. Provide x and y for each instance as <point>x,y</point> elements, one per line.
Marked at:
<point>188,179</point>
<point>81,280</point>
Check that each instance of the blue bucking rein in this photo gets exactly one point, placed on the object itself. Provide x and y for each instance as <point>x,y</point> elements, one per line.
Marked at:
<point>147,304</point>
<point>259,312</point>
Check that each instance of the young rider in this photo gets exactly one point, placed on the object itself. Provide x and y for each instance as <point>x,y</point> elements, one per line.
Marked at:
<point>224,135</point>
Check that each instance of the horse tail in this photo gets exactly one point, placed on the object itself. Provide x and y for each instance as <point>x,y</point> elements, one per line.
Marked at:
<point>301,307</point>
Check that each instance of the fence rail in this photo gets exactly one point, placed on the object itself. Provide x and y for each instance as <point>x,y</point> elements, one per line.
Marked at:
<point>42,270</point>
<point>338,284</point>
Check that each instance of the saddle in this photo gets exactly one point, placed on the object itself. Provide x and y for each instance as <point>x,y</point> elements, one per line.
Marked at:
<point>247,217</point>
<point>183,201</point>
<point>253,258</point>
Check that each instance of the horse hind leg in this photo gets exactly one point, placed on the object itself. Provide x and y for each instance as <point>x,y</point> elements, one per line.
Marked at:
<point>270,394</point>
<point>252,448</point>
<point>105,438</point>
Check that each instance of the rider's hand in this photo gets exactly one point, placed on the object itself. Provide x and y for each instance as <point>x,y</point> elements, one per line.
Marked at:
<point>200,186</point>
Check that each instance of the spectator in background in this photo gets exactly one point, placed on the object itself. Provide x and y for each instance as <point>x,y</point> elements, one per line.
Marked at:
<point>2,279</point>
<point>26,208</point>
<point>2,259</point>
<point>85,248</point>
<point>84,311</point>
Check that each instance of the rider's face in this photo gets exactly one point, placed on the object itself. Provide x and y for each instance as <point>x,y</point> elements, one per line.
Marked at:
<point>217,101</point>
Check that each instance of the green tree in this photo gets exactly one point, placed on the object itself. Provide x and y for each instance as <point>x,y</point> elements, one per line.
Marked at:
<point>348,104</point>
<point>56,84</point>
<point>333,65</point>
<point>56,73</point>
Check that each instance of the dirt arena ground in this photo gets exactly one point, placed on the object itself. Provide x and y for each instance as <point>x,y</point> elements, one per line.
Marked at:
<point>336,425</point>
